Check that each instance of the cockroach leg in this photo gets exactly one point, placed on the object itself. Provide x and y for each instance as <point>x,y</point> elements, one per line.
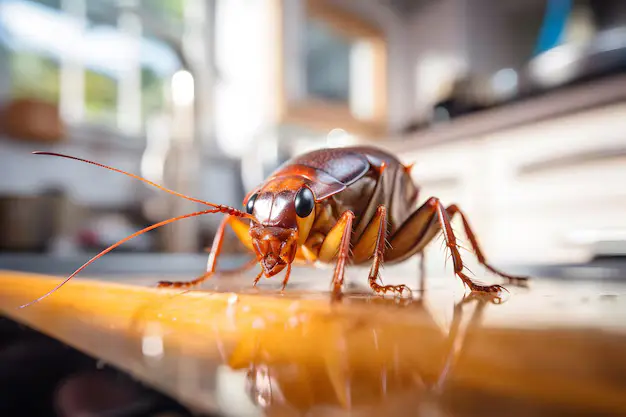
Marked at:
<point>185,284</point>
<point>256,280</point>
<point>345,225</point>
<point>448,234</point>
<point>381,218</point>
<point>286,279</point>
<point>454,209</point>
<point>423,225</point>
<point>118,243</point>
<point>207,275</point>
<point>216,249</point>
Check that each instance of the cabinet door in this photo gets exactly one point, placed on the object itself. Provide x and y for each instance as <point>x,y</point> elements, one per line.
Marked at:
<point>539,193</point>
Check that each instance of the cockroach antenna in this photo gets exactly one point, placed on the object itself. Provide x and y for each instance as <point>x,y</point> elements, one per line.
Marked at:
<point>217,208</point>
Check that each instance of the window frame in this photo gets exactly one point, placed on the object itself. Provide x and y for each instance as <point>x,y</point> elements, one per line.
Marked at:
<point>127,132</point>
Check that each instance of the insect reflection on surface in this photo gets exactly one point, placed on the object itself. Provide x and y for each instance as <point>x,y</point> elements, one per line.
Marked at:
<point>326,365</point>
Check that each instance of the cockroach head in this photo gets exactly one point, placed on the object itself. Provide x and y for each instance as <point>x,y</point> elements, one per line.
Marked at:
<point>275,247</point>
<point>284,209</point>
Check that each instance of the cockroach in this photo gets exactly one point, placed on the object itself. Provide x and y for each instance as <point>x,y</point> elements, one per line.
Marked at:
<point>337,205</point>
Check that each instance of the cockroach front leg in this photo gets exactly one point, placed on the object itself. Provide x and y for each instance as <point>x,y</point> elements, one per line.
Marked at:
<point>380,222</point>
<point>286,279</point>
<point>343,254</point>
<point>216,249</point>
<point>257,278</point>
<point>337,242</point>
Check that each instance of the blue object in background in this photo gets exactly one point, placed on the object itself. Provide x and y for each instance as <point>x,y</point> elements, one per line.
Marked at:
<point>554,23</point>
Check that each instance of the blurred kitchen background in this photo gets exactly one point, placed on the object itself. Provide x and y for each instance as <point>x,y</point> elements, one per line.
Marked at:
<point>515,110</point>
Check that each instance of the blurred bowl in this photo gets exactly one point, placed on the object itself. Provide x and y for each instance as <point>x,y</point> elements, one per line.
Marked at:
<point>32,120</point>
<point>557,66</point>
<point>24,225</point>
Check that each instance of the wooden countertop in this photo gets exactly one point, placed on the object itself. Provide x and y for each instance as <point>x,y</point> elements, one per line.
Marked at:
<point>552,349</point>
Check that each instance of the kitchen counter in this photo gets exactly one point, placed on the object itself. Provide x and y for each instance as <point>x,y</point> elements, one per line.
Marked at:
<point>124,267</point>
<point>553,348</point>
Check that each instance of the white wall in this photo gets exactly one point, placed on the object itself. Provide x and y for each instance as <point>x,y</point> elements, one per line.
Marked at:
<point>24,173</point>
<point>523,214</point>
<point>438,52</point>
<point>425,50</point>
<point>502,34</point>
<point>399,49</point>
<point>454,38</point>
<point>5,80</point>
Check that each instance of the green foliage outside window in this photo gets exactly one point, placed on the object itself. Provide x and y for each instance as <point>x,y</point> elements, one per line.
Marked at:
<point>34,76</point>
<point>152,95</point>
<point>37,76</point>
<point>100,97</point>
<point>54,4</point>
<point>171,9</point>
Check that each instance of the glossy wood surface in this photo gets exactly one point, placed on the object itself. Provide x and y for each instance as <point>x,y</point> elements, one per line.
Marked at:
<point>555,348</point>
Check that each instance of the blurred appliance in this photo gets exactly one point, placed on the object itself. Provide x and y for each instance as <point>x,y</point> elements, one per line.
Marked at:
<point>559,61</point>
<point>26,223</point>
<point>575,41</point>
<point>335,70</point>
<point>32,120</point>
<point>602,243</point>
<point>103,230</point>
<point>406,8</point>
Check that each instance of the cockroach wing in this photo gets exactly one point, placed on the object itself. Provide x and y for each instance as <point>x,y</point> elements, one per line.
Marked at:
<point>329,170</point>
<point>344,165</point>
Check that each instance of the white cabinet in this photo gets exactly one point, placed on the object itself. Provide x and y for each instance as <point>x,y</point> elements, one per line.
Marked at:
<point>540,193</point>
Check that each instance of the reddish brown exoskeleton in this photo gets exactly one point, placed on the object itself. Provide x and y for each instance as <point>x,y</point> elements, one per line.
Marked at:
<point>331,206</point>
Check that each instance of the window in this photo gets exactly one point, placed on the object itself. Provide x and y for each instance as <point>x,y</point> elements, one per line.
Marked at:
<point>327,62</point>
<point>152,91</point>
<point>158,64</point>
<point>100,97</point>
<point>54,4</point>
<point>34,76</point>
<point>92,58</point>
<point>33,60</point>
<point>172,10</point>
